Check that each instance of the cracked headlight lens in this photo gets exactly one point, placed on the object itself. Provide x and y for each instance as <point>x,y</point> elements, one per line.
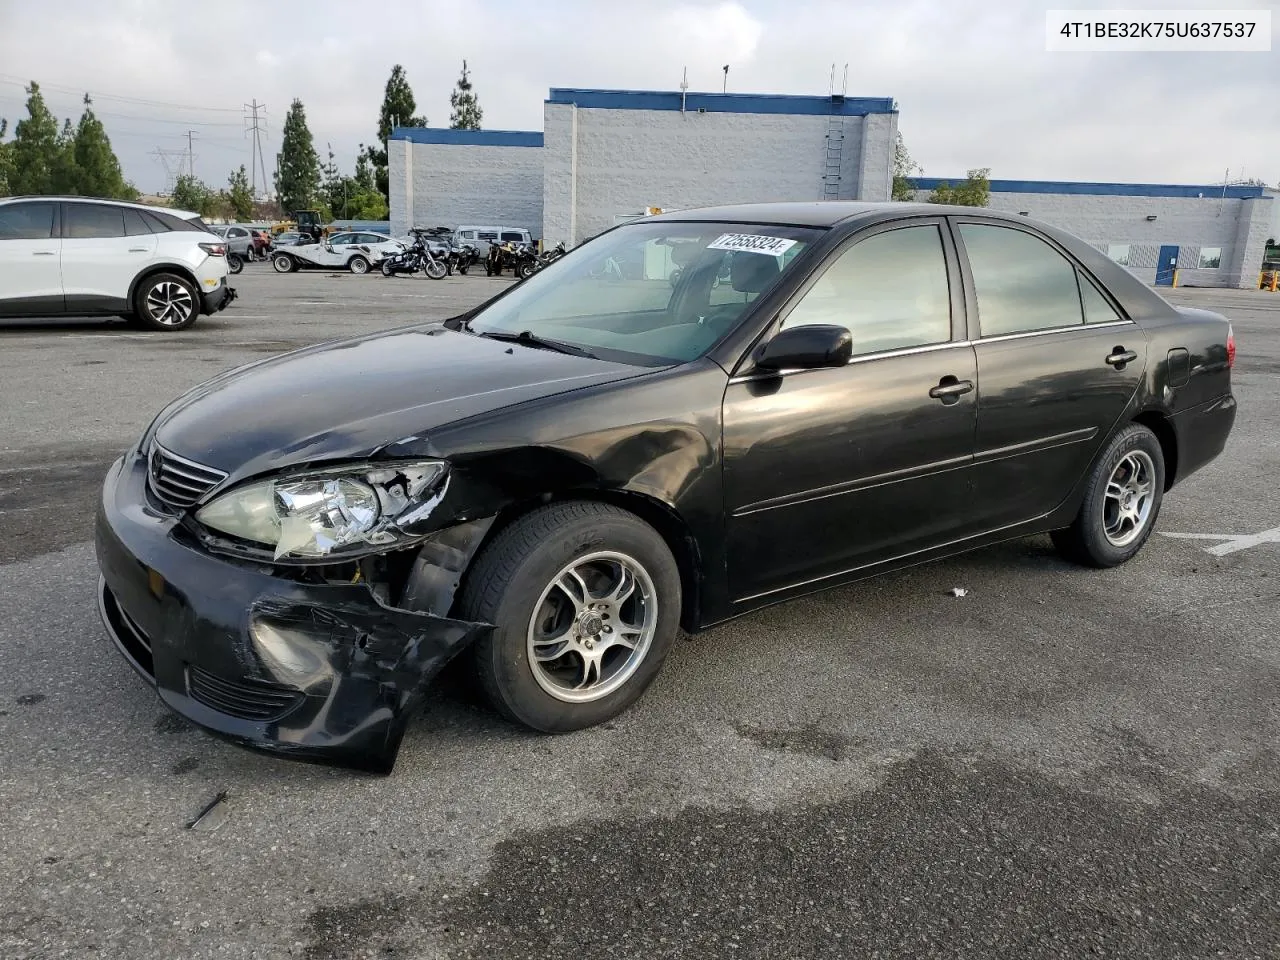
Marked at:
<point>330,513</point>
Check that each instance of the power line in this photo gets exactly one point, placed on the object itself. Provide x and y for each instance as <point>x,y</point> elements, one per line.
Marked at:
<point>97,95</point>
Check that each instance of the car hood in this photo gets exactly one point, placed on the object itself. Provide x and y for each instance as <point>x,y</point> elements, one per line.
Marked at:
<point>347,399</point>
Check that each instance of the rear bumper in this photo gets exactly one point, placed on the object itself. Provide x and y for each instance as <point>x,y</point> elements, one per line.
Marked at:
<point>1202,433</point>
<point>215,300</point>
<point>314,671</point>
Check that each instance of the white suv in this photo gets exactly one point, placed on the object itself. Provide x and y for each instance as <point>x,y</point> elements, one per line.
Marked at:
<point>73,256</point>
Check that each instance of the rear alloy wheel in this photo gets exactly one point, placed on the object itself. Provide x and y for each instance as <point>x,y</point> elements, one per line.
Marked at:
<point>283,263</point>
<point>358,265</point>
<point>1121,503</point>
<point>585,599</point>
<point>166,302</point>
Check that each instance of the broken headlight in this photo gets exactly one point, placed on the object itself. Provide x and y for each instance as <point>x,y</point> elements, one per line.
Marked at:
<point>334,513</point>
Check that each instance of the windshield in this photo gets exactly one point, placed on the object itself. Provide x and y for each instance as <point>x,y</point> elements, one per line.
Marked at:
<point>650,293</point>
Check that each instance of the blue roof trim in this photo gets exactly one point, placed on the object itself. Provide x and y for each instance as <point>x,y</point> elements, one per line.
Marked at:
<point>721,102</point>
<point>1099,189</point>
<point>469,138</point>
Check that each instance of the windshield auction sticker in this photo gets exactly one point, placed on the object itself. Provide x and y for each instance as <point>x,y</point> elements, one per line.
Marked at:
<point>752,243</point>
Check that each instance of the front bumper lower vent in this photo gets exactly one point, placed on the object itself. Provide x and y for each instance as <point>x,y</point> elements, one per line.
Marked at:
<point>246,699</point>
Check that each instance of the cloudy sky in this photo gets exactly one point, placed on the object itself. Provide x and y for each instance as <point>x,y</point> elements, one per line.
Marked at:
<point>972,78</point>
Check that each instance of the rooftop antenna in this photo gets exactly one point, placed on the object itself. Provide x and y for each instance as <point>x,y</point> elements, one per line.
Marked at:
<point>844,87</point>
<point>725,88</point>
<point>684,88</point>
<point>831,84</point>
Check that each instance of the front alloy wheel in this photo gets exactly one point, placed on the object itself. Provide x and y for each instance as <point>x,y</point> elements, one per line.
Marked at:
<point>585,601</point>
<point>592,627</point>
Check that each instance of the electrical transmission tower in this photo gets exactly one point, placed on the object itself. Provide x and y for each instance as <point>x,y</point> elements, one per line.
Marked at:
<point>175,165</point>
<point>256,120</point>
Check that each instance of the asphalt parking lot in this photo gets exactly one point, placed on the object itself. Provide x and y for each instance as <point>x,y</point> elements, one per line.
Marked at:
<point>1062,763</point>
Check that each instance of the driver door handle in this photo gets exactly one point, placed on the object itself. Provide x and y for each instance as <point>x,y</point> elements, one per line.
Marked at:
<point>1119,356</point>
<point>950,390</point>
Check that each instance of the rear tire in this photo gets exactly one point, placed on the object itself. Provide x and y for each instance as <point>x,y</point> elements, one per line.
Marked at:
<point>525,271</point>
<point>358,265</point>
<point>166,301</point>
<point>235,262</point>
<point>1121,503</point>
<point>283,263</point>
<point>514,585</point>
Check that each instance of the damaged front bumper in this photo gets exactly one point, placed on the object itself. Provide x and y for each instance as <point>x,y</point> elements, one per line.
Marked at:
<point>316,671</point>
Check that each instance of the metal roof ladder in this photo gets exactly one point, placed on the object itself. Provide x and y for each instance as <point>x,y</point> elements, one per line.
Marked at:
<point>831,172</point>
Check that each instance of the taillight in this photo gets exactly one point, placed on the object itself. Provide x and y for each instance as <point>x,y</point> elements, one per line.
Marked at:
<point>1231,347</point>
<point>214,249</point>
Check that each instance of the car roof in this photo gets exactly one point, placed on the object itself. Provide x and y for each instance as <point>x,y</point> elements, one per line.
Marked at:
<point>818,213</point>
<point>185,214</point>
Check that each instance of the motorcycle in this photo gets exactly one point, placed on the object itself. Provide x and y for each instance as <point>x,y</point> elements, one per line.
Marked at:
<point>418,258</point>
<point>235,262</point>
<point>462,258</point>
<point>524,261</point>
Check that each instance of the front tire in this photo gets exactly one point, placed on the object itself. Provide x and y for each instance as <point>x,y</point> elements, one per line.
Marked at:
<point>436,269</point>
<point>235,262</point>
<point>1121,502</point>
<point>386,269</point>
<point>283,263</point>
<point>585,599</point>
<point>166,301</point>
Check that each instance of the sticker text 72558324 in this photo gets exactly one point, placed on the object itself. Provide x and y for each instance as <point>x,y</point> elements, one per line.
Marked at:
<point>752,243</point>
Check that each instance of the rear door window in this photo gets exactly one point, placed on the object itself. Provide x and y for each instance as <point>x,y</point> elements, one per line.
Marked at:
<point>135,225</point>
<point>26,221</point>
<point>512,236</point>
<point>1021,282</point>
<point>92,221</point>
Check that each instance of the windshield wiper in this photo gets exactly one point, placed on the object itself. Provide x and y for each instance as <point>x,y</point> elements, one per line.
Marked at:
<point>530,339</point>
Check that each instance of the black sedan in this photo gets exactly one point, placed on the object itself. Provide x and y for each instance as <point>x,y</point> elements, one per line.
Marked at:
<point>557,481</point>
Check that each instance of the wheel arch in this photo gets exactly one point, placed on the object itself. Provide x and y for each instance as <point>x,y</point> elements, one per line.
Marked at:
<point>1160,425</point>
<point>652,511</point>
<point>158,268</point>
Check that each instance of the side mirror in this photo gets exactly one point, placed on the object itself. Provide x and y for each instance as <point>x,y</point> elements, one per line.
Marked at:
<point>805,348</point>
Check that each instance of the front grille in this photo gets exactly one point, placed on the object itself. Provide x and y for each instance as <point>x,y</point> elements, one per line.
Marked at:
<point>246,699</point>
<point>124,630</point>
<point>179,482</point>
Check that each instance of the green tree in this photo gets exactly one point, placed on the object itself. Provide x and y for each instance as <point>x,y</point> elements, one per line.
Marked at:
<point>973,191</point>
<point>240,195</point>
<point>189,193</point>
<point>297,166</point>
<point>34,149</point>
<point>6,166</point>
<point>297,174</point>
<point>903,168</point>
<point>98,168</point>
<point>65,175</point>
<point>466,108</point>
<point>397,111</point>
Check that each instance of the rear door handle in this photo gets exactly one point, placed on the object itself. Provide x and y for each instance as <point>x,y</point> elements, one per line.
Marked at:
<point>43,253</point>
<point>1119,356</point>
<point>949,390</point>
<point>137,249</point>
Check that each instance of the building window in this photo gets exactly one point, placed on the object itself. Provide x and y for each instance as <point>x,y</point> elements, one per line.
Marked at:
<point>1119,252</point>
<point>1210,258</point>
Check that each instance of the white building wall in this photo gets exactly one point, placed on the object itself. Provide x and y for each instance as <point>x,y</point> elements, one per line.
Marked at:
<point>449,184</point>
<point>1189,223</point>
<point>602,163</point>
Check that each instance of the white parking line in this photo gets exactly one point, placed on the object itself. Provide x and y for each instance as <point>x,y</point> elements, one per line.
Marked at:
<point>1234,543</point>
